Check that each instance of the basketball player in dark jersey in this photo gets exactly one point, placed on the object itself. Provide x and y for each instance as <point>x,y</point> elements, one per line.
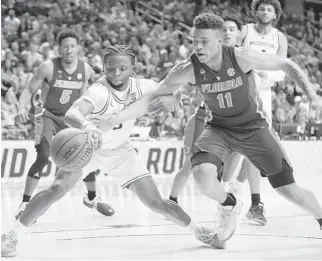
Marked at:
<point>195,124</point>
<point>62,81</point>
<point>237,124</point>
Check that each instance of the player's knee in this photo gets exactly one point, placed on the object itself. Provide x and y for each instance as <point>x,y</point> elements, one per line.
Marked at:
<point>197,172</point>
<point>43,153</point>
<point>284,178</point>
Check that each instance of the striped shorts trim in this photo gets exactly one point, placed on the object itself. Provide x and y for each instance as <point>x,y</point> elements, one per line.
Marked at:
<point>128,183</point>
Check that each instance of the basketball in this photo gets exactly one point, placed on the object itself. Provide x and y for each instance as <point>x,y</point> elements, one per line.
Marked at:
<point>71,149</point>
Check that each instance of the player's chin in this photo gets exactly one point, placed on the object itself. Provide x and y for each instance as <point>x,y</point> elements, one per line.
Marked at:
<point>264,20</point>
<point>202,58</point>
<point>69,59</point>
<point>117,84</point>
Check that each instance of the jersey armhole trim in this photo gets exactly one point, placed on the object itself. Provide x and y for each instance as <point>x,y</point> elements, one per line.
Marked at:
<point>231,52</point>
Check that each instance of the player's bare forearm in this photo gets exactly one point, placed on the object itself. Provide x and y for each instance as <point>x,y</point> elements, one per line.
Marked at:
<point>141,107</point>
<point>33,85</point>
<point>298,76</point>
<point>179,75</point>
<point>76,116</point>
<point>133,111</point>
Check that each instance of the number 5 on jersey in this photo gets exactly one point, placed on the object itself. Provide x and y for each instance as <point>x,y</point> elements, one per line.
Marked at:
<point>65,96</point>
<point>222,98</point>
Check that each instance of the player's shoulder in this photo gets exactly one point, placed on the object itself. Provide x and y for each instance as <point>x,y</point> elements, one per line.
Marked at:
<point>100,85</point>
<point>144,85</point>
<point>144,81</point>
<point>88,71</point>
<point>46,68</point>
<point>88,68</point>
<point>281,37</point>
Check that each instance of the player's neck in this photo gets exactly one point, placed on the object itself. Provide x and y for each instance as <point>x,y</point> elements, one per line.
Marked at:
<point>69,67</point>
<point>216,61</point>
<point>263,28</point>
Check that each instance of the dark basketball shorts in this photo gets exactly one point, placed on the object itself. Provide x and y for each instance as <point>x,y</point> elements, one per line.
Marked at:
<point>47,125</point>
<point>192,131</point>
<point>260,146</point>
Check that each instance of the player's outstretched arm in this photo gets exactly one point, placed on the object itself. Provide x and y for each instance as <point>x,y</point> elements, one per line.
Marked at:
<point>140,107</point>
<point>76,115</point>
<point>179,75</point>
<point>249,59</point>
<point>42,74</point>
<point>95,100</point>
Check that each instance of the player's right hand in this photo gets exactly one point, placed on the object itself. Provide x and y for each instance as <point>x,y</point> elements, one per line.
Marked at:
<point>95,135</point>
<point>22,116</point>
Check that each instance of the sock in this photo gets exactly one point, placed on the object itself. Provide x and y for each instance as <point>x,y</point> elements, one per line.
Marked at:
<point>193,227</point>
<point>320,222</point>
<point>91,194</point>
<point>173,199</point>
<point>26,198</point>
<point>18,228</point>
<point>225,185</point>
<point>256,199</point>
<point>230,200</point>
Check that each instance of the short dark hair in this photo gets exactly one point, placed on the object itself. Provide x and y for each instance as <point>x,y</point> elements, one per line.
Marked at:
<point>235,19</point>
<point>118,49</point>
<point>67,33</point>
<point>275,3</point>
<point>208,21</point>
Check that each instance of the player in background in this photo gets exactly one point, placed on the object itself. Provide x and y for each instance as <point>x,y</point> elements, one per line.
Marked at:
<point>262,37</point>
<point>109,95</point>
<point>194,127</point>
<point>62,81</point>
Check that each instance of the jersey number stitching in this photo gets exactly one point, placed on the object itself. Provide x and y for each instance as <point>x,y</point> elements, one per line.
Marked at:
<point>221,100</point>
<point>65,96</point>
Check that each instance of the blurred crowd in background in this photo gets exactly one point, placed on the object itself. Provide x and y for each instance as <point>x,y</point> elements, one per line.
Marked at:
<point>29,30</point>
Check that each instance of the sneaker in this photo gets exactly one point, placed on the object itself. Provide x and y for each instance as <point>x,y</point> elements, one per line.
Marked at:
<point>21,209</point>
<point>209,237</point>
<point>228,221</point>
<point>256,213</point>
<point>8,244</point>
<point>97,204</point>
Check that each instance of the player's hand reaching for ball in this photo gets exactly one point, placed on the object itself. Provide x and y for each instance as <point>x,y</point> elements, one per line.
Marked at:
<point>162,104</point>
<point>94,134</point>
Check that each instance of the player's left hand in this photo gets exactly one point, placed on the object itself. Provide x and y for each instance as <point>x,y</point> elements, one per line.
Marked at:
<point>95,135</point>
<point>161,104</point>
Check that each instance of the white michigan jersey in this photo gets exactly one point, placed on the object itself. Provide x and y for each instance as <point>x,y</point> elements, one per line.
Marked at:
<point>108,101</point>
<point>268,43</point>
<point>116,155</point>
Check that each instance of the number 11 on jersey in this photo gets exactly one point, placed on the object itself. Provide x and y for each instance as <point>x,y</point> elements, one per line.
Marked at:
<point>222,98</point>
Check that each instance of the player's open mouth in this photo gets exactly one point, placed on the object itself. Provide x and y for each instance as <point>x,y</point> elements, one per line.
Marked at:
<point>201,55</point>
<point>118,82</point>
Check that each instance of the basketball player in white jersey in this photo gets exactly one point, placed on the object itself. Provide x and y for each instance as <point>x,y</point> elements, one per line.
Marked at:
<point>110,95</point>
<point>262,37</point>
